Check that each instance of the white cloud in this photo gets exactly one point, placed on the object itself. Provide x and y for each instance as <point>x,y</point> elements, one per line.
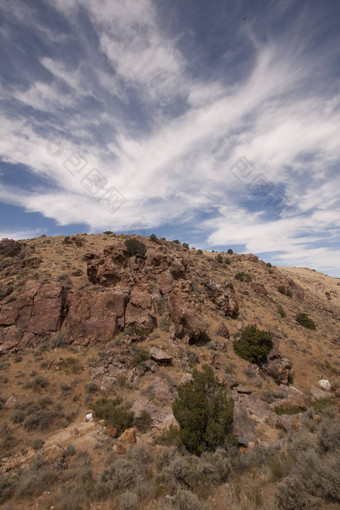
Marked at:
<point>163,163</point>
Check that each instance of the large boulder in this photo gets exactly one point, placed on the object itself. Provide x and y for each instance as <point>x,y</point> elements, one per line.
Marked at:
<point>140,312</point>
<point>95,314</point>
<point>186,313</point>
<point>10,248</point>
<point>278,367</point>
<point>38,310</point>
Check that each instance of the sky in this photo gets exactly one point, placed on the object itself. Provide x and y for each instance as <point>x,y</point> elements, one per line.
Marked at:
<point>213,122</point>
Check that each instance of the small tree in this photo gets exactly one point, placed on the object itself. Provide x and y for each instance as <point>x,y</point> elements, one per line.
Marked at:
<point>219,258</point>
<point>204,411</point>
<point>230,251</point>
<point>153,238</point>
<point>254,344</point>
<point>135,247</point>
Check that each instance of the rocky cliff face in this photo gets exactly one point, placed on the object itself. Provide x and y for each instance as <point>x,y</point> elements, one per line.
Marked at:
<point>124,297</point>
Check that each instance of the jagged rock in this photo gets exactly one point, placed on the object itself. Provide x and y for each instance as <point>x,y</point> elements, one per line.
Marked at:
<point>224,297</point>
<point>129,436</point>
<point>140,312</point>
<point>166,283</point>
<point>39,310</point>
<point>243,425</point>
<point>95,314</point>
<point>223,331</point>
<point>161,390</point>
<point>159,355</point>
<point>325,384</point>
<point>259,288</point>
<point>162,417</point>
<point>185,313</point>
<point>277,366</point>
<point>5,290</point>
<point>10,248</point>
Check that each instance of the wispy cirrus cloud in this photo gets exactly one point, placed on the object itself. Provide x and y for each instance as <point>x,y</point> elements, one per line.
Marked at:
<point>120,91</point>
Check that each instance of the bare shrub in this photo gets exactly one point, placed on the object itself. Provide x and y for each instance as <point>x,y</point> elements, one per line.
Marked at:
<point>118,476</point>
<point>128,501</point>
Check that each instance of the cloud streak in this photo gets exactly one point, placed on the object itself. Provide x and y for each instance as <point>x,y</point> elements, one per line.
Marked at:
<point>126,101</point>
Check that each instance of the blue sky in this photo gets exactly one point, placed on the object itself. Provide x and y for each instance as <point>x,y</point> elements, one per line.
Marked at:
<point>216,123</point>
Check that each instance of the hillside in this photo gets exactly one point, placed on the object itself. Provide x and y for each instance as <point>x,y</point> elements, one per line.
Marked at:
<point>83,319</point>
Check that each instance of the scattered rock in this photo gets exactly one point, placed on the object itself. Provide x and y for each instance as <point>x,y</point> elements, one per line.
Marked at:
<point>10,402</point>
<point>223,331</point>
<point>129,435</point>
<point>243,425</point>
<point>317,393</point>
<point>89,417</point>
<point>119,448</point>
<point>325,384</point>
<point>244,389</point>
<point>159,355</point>
<point>111,432</point>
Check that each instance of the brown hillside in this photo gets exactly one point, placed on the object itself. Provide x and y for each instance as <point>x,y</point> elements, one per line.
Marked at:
<point>83,319</point>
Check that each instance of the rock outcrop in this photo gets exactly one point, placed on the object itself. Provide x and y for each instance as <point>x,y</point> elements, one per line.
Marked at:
<point>278,367</point>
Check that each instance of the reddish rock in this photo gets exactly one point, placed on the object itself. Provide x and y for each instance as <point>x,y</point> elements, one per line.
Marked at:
<point>119,448</point>
<point>185,313</point>
<point>140,312</point>
<point>278,367</point>
<point>112,432</point>
<point>129,436</point>
<point>95,314</point>
<point>38,310</point>
<point>259,288</point>
<point>166,283</point>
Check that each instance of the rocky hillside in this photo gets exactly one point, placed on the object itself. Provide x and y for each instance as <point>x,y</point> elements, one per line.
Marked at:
<point>95,315</point>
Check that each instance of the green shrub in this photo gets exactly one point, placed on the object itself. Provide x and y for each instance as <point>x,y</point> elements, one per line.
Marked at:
<point>219,258</point>
<point>204,411</point>
<point>113,413</point>
<point>135,247</point>
<point>269,264</point>
<point>227,260</point>
<point>254,344</point>
<point>199,252</point>
<point>70,365</point>
<point>107,232</point>
<point>170,437</point>
<point>281,409</point>
<point>140,355</point>
<point>281,311</point>
<point>282,289</point>
<point>185,245</point>
<point>230,251</point>
<point>67,240</point>
<point>289,293</point>
<point>241,277</point>
<point>305,321</point>
<point>153,238</point>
